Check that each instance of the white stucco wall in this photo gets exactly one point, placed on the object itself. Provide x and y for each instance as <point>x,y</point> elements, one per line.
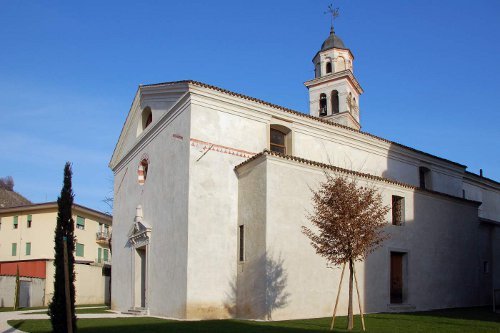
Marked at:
<point>163,198</point>
<point>441,238</point>
<point>194,201</point>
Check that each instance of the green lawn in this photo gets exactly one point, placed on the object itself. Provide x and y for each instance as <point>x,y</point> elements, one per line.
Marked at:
<point>453,320</point>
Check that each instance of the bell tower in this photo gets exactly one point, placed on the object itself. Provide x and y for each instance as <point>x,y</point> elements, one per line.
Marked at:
<point>334,92</point>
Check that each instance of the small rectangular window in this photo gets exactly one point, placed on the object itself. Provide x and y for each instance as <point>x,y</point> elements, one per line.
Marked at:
<point>29,221</point>
<point>105,255</point>
<point>28,249</point>
<point>80,223</point>
<point>277,143</point>
<point>79,250</point>
<point>242,243</point>
<point>15,221</point>
<point>486,267</point>
<point>14,249</point>
<point>398,210</point>
<point>424,177</point>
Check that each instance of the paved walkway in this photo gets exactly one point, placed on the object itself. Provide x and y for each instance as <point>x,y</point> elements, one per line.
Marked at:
<point>20,315</point>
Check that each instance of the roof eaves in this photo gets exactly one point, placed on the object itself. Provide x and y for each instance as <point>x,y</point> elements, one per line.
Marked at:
<point>52,204</point>
<point>475,175</point>
<point>297,113</point>
<point>267,152</point>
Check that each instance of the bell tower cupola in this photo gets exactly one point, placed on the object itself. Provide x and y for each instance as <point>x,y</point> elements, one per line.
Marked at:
<point>334,92</point>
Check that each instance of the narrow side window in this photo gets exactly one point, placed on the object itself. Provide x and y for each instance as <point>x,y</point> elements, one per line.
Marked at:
<point>398,204</point>
<point>241,243</point>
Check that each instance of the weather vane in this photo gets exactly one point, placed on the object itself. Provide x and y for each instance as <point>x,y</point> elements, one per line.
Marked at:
<point>334,12</point>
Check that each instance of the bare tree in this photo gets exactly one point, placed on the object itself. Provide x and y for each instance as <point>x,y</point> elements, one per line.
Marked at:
<point>7,183</point>
<point>349,219</point>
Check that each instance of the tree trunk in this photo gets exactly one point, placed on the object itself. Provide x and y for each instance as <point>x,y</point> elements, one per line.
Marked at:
<point>337,299</point>
<point>350,320</point>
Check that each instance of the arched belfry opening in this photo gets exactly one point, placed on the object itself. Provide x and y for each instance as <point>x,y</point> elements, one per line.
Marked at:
<point>333,81</point>
<point>335,101</point>
<point>328,67</point>
<point>322,105</point>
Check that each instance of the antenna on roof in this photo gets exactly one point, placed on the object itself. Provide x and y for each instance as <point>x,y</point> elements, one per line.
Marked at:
<point>335,13</point>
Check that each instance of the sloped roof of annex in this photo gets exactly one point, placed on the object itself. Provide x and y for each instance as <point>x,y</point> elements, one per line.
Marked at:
<point>361,175</point>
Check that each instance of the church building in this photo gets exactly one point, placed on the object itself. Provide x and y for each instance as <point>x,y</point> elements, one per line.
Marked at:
<point>212,187</point>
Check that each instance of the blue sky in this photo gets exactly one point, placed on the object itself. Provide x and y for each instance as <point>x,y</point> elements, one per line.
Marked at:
<point>69,71</point>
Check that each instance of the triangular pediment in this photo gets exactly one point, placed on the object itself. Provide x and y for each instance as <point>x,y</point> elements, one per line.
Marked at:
<point>138,228</point>
<point>160,99</point>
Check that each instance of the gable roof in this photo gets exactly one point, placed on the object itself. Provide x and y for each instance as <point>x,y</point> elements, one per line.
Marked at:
<point>282,108</point>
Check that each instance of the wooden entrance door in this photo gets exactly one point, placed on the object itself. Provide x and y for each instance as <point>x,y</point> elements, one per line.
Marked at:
<point>396,277</point>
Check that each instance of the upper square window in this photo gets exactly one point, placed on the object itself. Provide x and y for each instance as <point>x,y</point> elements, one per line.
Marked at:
<point>280,139</point>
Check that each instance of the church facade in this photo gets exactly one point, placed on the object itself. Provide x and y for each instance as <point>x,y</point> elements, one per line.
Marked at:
<point>212,188</point>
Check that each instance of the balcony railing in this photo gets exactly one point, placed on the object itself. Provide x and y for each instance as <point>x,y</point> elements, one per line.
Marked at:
<point>102,261</point>
<point>103,236</point>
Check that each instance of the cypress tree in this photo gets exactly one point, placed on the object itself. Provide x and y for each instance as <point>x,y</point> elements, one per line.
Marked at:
<point>64,230</point>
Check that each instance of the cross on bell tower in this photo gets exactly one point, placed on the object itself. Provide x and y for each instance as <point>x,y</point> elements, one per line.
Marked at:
<point>334,92</point>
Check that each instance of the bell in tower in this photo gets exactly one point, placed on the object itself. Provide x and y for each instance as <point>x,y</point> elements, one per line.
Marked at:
<point>334,92</point>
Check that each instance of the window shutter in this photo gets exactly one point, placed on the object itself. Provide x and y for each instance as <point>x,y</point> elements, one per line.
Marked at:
<point>79,250</point>
<point>14,249</point>
<point>105,255</point>
<point>80,222</point>
<point>28,249</point>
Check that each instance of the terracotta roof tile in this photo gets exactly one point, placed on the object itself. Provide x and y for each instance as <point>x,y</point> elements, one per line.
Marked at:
<point>228,92</point>
<point>11,199</point>
<point>267,152</point>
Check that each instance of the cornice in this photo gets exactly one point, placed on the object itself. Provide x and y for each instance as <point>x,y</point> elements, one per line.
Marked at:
<point>267,153</point>
<point>301,117</point>
<point>475,179</point>
<point>347,74</point>
<point>125,128</point>
<point>333,48</point>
